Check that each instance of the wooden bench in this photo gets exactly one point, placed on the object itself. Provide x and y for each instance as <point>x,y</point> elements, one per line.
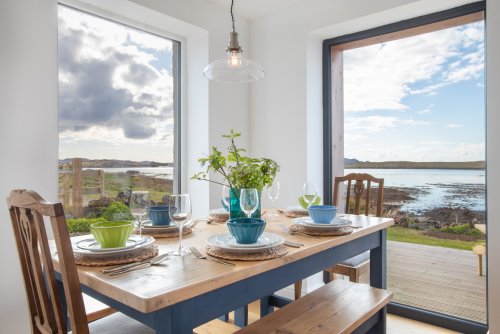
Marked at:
<point>336,308</point>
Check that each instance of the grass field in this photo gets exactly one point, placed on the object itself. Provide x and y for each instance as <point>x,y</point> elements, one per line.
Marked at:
<point>403,234</point>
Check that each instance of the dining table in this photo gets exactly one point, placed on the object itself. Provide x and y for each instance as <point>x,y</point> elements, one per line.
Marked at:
<point>185,292</point>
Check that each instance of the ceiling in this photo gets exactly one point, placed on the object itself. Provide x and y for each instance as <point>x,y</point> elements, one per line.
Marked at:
<point>252,9</point>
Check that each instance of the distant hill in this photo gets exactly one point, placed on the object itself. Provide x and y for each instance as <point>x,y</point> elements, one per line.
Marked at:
<point>111,163</point>
<point>353,163</point>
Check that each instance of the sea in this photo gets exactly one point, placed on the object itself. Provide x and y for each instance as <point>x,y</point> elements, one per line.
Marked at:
<point>455,188</point>
<point>159,172</point>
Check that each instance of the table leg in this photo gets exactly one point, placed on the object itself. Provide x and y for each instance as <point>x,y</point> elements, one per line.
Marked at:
<point>265,306</point>
<point>174,320</point>
<point>64,305</point>
<point>378,272</point>
<point>241,316</point>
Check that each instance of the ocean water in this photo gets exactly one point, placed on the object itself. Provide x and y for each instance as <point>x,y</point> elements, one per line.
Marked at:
<point>160,172</point>
<point>436,187</point>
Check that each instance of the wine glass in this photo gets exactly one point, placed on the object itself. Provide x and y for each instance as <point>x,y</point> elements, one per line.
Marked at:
<point>226,197</point>
<point>310,193</point>
<point>249,201</point>
<point>139,203</point>
<point>273,192</point>
<point>179,210</point>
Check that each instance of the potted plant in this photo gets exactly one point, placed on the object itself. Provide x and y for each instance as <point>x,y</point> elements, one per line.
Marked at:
<point>238,171</point>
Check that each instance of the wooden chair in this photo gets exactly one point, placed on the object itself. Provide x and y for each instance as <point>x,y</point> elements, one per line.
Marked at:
<point>360,201</point>
<point>27,212</point>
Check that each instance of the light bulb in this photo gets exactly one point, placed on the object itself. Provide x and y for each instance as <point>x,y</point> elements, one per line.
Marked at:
<point>234,58</point>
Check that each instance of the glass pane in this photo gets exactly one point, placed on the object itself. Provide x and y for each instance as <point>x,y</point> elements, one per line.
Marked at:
<point>117,101</point>
<point>415,116</point>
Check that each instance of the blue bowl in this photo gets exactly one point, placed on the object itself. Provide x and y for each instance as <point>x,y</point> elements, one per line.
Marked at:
<point>322,214</point>
<point>159,215</point>
<point>246,230</point>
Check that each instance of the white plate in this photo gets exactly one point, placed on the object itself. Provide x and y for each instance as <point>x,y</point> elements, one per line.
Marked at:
<point>149,225</point>
<point>227,242</point>
<point>92,245</point>
<point>105,252</point>
<point>336,223</point>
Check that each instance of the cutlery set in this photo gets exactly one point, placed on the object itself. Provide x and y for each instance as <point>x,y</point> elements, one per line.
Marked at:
<point>137,265</point>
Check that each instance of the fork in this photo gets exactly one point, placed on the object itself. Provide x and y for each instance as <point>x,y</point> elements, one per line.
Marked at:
<point>198,255</point>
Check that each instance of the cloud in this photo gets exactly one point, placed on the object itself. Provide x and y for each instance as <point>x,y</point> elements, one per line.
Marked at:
<point>451,151</point>
<point>431,60</point>
<point>425,111</point>
<point>109,85</point>
<point>453,125</point>
<point>376,123</point>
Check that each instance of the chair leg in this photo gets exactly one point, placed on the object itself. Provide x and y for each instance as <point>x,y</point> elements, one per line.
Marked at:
<point>328,276</point>
<point>298,289</point>
<point>354,275</point>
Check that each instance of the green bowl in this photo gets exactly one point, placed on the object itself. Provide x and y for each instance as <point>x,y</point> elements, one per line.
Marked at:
<point>112,234</point>
<point>303,203</point>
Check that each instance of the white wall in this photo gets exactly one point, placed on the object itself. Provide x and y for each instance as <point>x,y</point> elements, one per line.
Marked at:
<point>28,130</point>
<point>493,160</point>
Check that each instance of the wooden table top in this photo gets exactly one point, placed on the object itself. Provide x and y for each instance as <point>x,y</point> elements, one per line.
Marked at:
<point>181,278</point>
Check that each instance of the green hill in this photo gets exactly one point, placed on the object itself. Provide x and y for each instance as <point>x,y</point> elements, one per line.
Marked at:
<point>416,165</point>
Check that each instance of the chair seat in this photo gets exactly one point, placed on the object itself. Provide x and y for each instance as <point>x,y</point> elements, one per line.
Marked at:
<point>118,323</point>
<point>357,260</point>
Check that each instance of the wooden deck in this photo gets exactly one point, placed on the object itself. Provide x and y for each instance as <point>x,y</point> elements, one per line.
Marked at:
<point>438,279</point>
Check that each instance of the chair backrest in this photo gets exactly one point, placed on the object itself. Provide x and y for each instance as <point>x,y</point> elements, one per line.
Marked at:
<point>27,212</point>
<point>357,181</point>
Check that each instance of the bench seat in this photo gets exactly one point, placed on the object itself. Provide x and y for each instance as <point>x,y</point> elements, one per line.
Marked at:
<point>338,307</point>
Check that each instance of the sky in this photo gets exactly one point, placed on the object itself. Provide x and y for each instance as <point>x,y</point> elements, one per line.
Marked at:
<point>417,99</point>
<point>115,90</point>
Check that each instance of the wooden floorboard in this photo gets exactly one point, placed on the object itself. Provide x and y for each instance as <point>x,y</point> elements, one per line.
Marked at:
<point>439,279</point>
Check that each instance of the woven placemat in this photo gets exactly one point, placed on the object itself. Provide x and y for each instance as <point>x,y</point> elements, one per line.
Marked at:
<point>167,233</point>
<point>139,255</point>
<point>270,253</point>
<point>294,213</point>
<point>222,217</point>
<point>330,231</point>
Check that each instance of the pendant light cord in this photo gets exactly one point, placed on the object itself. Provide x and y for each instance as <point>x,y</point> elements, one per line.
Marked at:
<point>232,16</point>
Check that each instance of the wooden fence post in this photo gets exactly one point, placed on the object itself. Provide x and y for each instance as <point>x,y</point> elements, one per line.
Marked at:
<point>101,183</point>
<point>65,186</point>
<point>77,188</point>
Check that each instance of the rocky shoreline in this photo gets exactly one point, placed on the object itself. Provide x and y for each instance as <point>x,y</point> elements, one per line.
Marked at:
<point>434,219</point>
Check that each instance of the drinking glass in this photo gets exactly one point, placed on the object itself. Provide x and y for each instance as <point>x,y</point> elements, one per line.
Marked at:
<point>179,210</point>
<point>273,192</point>
<point>310,193</point>
<point>249,201</point>
<point>226,198</point>
<point>139,204</point>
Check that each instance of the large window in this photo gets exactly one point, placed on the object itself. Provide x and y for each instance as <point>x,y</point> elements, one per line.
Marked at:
<point>405,102</point>
<point>118,113</point>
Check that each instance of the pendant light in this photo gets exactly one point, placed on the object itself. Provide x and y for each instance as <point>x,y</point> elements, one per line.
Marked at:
<point>234,68</point>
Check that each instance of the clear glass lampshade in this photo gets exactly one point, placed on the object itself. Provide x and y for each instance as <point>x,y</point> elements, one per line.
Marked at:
<point>234,69</point>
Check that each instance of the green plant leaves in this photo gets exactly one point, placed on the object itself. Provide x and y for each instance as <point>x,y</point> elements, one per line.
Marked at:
<point>237,169</point>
